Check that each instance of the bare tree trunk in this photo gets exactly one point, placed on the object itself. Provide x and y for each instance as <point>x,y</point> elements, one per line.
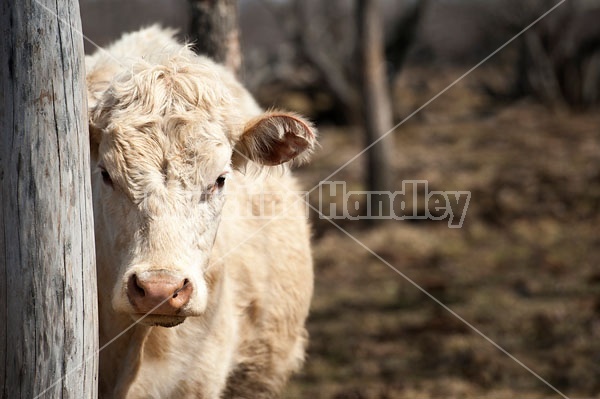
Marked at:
<point>215,32</point>
<point>376,104</point>
<point>541,72</point>
<point>334,74</point>
<point>48,311</point>
<point>403,38</point>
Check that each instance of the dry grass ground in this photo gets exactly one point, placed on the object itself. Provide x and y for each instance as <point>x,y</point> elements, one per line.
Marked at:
<point>524,269</point>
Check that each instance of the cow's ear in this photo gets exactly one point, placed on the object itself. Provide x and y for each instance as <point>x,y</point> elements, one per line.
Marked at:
<point>95,137</point>
<point>275,138</point>
<point>96,121</point>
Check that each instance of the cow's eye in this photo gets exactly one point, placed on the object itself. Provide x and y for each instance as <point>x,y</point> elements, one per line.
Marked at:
<point>220,182</point>
<point>106,177</point>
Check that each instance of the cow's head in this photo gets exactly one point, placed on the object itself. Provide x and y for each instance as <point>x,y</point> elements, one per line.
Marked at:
<point>164,143</point>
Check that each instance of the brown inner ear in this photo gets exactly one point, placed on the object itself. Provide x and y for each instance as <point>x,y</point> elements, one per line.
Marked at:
<point>275,138</point>
<point>284,149</point>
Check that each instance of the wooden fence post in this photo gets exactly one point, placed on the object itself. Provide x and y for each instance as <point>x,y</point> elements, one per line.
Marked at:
<point>48,306</point>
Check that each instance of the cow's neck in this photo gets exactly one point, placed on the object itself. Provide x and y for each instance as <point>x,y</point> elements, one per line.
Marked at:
<point>121,343</point>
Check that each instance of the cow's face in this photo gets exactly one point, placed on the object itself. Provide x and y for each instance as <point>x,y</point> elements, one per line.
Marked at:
<point>164,141</point>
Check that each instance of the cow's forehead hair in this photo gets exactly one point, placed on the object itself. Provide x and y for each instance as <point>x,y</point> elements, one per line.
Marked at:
<point>177,85</point>
<point>194,153</point>
<point>170,118</point>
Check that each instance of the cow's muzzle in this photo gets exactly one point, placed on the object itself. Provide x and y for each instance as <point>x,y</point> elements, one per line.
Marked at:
<point>158,293</point>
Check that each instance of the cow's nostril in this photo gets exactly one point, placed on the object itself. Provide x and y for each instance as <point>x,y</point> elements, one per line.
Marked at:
<point>135,286</point>
<point>186,282</point>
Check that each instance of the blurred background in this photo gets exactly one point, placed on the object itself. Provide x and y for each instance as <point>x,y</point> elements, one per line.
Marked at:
<point>521,133</point>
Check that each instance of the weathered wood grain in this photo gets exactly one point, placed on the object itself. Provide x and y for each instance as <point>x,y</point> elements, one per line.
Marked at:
<point>47,263</point>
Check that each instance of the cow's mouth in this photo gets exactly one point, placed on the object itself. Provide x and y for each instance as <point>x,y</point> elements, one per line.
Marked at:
<point>157,320</point>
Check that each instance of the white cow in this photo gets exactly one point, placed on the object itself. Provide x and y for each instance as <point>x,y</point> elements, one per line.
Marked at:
<point>179,150</point>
